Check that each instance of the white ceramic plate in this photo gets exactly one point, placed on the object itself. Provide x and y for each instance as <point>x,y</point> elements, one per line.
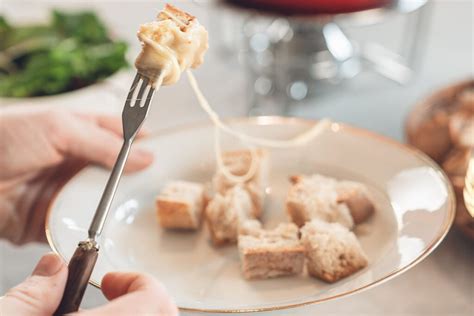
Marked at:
<point>415,208</point>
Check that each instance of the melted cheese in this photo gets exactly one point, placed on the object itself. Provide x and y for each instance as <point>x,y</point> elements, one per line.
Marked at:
<point>170,45</point>
<point>299,140</point>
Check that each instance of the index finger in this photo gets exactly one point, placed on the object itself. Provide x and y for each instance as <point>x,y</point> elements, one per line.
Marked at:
<point>120,283</point>
<point>134,294</point>
<point>112,123</point>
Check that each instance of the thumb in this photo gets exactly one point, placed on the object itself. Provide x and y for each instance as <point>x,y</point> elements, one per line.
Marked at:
<point>41,292</point>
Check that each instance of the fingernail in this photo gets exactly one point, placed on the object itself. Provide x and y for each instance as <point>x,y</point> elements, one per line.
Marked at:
<point>49,265</point>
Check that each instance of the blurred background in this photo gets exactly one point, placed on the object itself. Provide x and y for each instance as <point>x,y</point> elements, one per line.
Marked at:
<point>363,62</point>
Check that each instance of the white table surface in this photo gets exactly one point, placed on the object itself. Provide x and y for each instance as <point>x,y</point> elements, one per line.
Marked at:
<point>443,284</point>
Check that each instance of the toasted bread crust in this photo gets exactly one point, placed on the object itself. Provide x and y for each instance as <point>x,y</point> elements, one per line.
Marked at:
<point>359,202</point>
<point>350,268</point>
<point>182,16</point>
<point>174,214</point>
<point>296,214</point>
<point>180,205</point>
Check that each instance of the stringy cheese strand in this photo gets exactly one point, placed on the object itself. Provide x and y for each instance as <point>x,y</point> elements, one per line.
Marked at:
<point>299,140</point>
<point>167,53</point>
<point>223,168</point>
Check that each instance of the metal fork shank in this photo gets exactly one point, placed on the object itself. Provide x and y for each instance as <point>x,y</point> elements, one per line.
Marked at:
<point>132,119</point>
<point>106,200</point>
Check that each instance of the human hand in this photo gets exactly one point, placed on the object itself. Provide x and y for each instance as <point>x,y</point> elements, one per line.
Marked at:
<point>40,149</point>
<point>129,293</point>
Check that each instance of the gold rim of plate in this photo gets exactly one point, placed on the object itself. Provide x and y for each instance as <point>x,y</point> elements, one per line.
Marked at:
<point>272,120</point>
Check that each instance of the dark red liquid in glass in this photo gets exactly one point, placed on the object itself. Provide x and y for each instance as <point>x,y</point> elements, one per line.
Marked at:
<point>311,7</point>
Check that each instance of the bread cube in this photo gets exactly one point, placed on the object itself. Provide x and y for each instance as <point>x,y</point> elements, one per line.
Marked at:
<point>270,253</point>
<point>332,251</point>
<point>357,198</point>
<point>315,196</point>
<point>179,35</point>
<point>238,163</point>
<point>224,213</point>
<point>180,205</point>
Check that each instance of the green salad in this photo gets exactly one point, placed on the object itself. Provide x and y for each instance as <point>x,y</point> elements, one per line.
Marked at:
<point>72,51</point>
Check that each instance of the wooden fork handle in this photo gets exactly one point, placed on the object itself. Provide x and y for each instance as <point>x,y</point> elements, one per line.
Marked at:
<point>79,271</point>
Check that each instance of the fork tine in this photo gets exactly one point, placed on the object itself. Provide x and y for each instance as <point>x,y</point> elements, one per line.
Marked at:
<point>132,90</point>
<point>148,97</point>
<point>143,86</point>
<point>136,108</point>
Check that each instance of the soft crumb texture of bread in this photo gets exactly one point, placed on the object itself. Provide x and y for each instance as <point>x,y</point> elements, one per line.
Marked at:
<point>357,198</point>
<point>316,197</point>
<point>332,251</point>
<point>224,214</point>
<point>180,205</point>
<point>250,227</point>
<point>270,253</point>
<point>238,163</point>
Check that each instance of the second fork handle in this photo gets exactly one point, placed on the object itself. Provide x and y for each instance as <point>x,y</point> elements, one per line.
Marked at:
<point>80,269</point>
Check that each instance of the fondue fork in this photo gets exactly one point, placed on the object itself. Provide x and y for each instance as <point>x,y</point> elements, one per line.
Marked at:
<point>83,261</point>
